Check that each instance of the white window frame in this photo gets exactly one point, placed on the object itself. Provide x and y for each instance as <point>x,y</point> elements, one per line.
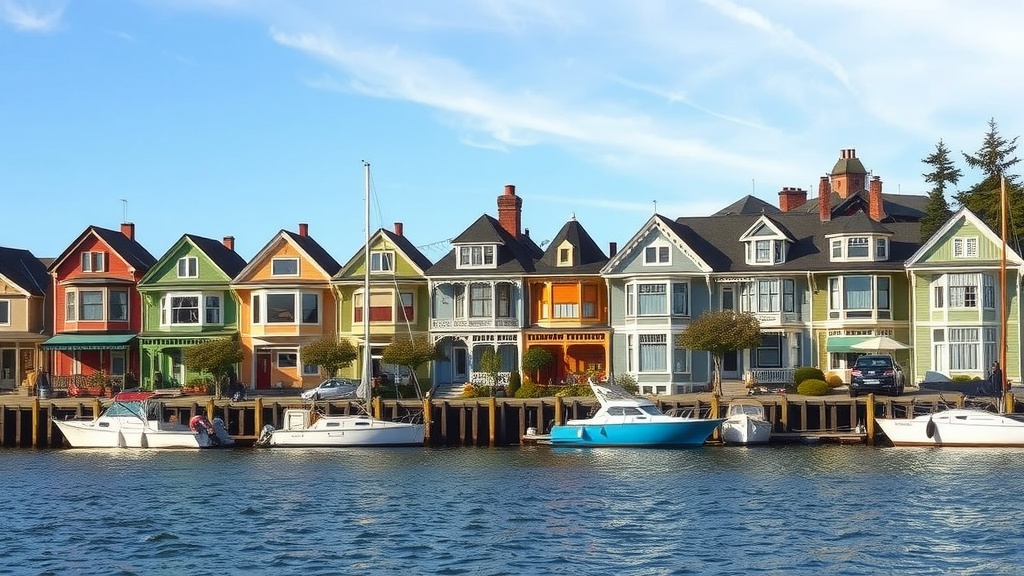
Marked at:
<point>477,256</point>
<point>658,253</point>
<point>274,270</point>
<point>836,287</point>
<point>280,353</point>
<point>653,339</point>
<point>259,299</point>
<point>94,262</point>
<point>864,241</point>
<point>965,247</point>
<point>188,267</point>
<point>202,309</point>
<point>881,249</point>
<point>382,262</point>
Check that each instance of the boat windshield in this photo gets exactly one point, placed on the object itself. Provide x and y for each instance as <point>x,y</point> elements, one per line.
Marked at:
<point>652,410</point>
<point>748,409</point>
<point>126,409</point>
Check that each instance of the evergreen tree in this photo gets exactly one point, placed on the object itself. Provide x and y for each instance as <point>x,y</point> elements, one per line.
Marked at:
<point>995,158</point>
<point>943,174</point>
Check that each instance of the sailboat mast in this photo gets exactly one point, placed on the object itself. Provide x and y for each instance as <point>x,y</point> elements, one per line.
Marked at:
<point>366,285</point>
<point>1002,290</point>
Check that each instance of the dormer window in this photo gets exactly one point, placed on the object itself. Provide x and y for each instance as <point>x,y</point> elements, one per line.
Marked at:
<point>857,247</point>
<point>864,247</point>
<point>657,255</point>
<point>188,267</point>
<point>965,247</point>
<point>382,261</point>
<point>881,249</point>
<point>766,243</point>
<point>284,267</point>
<point>94,262</point>
<point>476,256</point>
<point>564,256</point>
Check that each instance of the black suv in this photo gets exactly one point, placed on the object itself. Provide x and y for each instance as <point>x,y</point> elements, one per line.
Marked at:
<point>876,373</point>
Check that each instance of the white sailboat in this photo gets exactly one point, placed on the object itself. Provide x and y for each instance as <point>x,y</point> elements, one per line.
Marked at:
<point>966,426</point>
<point>305,427</point>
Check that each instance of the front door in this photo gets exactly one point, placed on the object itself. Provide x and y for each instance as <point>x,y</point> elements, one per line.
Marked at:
<point>8,371</point>
<point>730,360</point>
<point>263,370</point>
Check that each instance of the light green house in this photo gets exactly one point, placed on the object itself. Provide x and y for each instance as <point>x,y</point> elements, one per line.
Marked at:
<point>958,309</point>
<point>186,300</point>
<point>399,301</point>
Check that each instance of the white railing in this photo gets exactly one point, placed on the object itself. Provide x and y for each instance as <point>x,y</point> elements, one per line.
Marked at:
<point>777,318</point>
<point>484,379</point>
<point>773,375</point>
<point>448,323</point>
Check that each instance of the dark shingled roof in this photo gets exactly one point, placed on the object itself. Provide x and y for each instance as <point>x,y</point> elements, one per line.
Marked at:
<point>24,270</point>
<point>716,240</point>
<point>849,166</point>
<point>226,259</point>
<point>748,205</point>
<point>897,207</point>
<point>514,255</point>
<point>408,249</point>
<point>133,252</point>
<point>316,252</point>
<point>589,256</point>
<point>861,222</point>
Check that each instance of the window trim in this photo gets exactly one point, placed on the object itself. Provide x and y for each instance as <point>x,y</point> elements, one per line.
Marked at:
<point>964,245</point>
<point>487,252</point>
<point>259,299</point>
<point>382,257</point>
<point>660,248</point>
<point>191,265</point>
<point>872,312</point>
<point>281,260</point>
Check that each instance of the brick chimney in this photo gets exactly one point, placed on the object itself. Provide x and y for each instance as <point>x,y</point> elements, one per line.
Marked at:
<point>875,209</point>
<point>510,211</point>
<point>824,199</point>
<point>399,229</point>
<point>790,198</point>
<point>128,229</point>
<point>229,242</point>
<point>613,249</point>
<point>303,229</point>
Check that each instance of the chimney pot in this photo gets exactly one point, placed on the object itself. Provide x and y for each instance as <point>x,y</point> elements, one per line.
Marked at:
<point>399,229</point>
<point>229,242</point>
<point>303,229</point>
<point>613,249</point>
<point>128,229</point>
<point>791,197</point>
<point>824,199</point>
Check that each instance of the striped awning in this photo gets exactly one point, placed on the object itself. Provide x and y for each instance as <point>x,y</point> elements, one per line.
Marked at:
<point>89,342</point>
<point>844,343</point>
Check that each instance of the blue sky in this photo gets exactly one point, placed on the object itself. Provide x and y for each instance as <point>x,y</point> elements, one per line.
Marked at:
<point>243,117</point>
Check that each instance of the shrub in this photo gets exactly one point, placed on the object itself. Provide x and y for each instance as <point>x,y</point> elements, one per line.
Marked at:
<point>575,390</point>
<point>807,373</point>
<point>834,380</point>
<point>961,378</point>
<point>529,389</point>
<point>627,382</point>
<point>514,382</point>
<point>813,387</point>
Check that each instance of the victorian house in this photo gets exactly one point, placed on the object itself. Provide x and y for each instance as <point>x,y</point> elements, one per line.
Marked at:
<point>399,302</point>
<point>285,300</point>
<point>568,306</point>
<point>186,300</point>
<point>25,320</point>
<point>97,308</point>
<point>477,294</point>
<point>959,302</point>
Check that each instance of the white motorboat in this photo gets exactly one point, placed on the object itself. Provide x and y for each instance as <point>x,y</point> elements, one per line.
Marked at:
<point>304,427</point>
<point>134,421</point>
<point>955,427</point>
<point>745,423</point>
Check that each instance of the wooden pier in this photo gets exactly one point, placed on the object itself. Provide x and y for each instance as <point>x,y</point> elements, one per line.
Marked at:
<point>28,422</point>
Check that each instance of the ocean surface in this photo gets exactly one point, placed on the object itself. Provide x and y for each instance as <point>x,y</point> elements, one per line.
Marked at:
<point>530,510</point>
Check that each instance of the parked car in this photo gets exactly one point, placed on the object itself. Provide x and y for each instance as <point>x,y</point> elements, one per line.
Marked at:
<point>876,373</point>
<point>332,389</point>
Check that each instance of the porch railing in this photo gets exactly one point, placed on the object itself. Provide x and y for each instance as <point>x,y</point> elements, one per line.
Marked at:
<point>484,379</point>
<point>773,375</point>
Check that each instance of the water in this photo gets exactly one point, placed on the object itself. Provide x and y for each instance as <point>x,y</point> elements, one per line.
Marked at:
<point>532,510</point>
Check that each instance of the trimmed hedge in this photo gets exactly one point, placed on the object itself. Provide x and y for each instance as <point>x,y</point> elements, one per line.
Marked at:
<point>807,373</point>
<point>813,387</point>
<point>834,380</point>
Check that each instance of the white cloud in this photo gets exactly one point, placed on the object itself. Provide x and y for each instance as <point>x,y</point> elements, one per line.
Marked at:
<point>33,18</point>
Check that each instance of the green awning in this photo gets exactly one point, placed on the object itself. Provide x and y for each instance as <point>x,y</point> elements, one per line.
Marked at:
<point>844,343</point>
<point>89,342</point>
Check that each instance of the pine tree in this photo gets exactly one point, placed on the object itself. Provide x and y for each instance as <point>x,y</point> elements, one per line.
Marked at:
<point>995,158</point>
<point>943,174</point>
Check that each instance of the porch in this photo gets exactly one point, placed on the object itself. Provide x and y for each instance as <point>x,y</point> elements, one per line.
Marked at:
<point>770,375</point>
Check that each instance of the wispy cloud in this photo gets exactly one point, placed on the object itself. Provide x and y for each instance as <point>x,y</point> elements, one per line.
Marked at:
<point>31,18</point>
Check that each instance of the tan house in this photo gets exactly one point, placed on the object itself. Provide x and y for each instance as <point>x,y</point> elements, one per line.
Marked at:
<point>24,323</point>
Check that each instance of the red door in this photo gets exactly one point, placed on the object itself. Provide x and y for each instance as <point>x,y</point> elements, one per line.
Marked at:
<point>263,370</point>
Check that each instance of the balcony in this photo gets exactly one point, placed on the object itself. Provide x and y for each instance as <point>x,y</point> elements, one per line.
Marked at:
<point>777,318</point>
<point>471,323</point>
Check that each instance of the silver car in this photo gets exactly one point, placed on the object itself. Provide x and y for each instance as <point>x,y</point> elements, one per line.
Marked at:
<point>332,389</point>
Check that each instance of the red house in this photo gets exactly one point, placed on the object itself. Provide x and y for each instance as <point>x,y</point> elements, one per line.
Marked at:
<point>97,309</point>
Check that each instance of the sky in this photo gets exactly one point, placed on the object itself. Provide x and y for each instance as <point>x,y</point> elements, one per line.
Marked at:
<point>245,117</point>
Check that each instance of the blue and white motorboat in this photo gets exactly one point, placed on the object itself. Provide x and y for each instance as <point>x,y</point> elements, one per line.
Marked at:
<point>627,420</point>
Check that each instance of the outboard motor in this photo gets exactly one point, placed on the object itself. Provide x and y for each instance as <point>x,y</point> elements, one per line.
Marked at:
<point>221,434</point>
<point>265,434</point>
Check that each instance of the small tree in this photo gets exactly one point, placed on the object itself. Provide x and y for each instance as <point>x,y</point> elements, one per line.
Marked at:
<point>412,353</point>
<point>536,359</point>
<point>329,354</point>
<point>216,357</point>
<point>719,332</point>
<point>490,364</point>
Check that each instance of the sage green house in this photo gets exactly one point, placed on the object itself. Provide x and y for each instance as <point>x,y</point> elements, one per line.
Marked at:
<point>958,309</point>
<point>186,300</point>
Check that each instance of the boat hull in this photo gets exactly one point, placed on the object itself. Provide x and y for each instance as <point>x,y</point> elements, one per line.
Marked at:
<point>743,429</point>
<point>346,431</point>
<point>92,434</point>
<point>958,427</point>
<point>673,432</point>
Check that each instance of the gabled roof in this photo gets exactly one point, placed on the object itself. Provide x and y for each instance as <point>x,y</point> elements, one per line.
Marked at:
<point>23,270</point>
<point>514,255</point>
<point>410,251</point>
<point>777,229</point>
<point>324,261</point>
<point>897,207</point>
<point>715,238</point>
<point>748,205</point>
<point>133,253</point>
<point>589,256</point>
<point>861,223</point>
<point>963,214</point>
<point>223,257</point>
<point>671,232</point>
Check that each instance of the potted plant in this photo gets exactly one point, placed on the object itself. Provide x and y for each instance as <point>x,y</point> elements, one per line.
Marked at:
<point>97,383</point>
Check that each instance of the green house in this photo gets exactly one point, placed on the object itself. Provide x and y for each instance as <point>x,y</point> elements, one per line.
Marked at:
<point>186,300</point>
<point>958,309</point>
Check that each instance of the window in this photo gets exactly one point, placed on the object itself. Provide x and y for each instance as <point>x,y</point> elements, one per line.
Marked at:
<point>680,360</point>
<point>117,363</point>
<point>93,262</point>
<point>184,309</point>
<point>71,310</point>
<point>381,306</point>
<point>590,301</point>
<point>310,308</point>
<point>408,312</point>
<point>768,295</point>
<point>382,261</point>
<point>629,352</point>
<point>788,296</point>
<point>287,359</point>
<point>964,349</point>
<point>565,299</point>
<point>859,297</point>
<point>837,249</point>
<point>988,292</point>
<point>256,315</point>
<point>965,247</point>
<point>657,255</point>
<point>762,252</point>
<point>92,304</point>
<point>630,300</point>
<point>188,267</point>
<point>881,249</point>
<point>479,300</point>
<point>651,299</point>
<point>5,312</point>
<point>566,311</point>
<point>564,256</point>
<point>938,290</point>
<point>310,370</point>
<point>857,247</point>
<point>118,305</point>
<point>212,310</point>
<point>284,267</point>
<point>476,256</point>
<point>681,299</point>
<point>503,295</point>
<point>769,353</point>
<point>653,353</point>
<point>280,308</point>
<point>963,290</point>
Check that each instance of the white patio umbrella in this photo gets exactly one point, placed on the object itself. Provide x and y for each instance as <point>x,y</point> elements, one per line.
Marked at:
<point>880,344</point>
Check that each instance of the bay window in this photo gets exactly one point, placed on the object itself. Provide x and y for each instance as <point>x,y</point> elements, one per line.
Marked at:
<point>859,297</point>
<point>681,299</point>
<point>292,307</point>
<point>653,353</point>
<point>651,299</point>
<point>92,304</point>
<point>769,295</point>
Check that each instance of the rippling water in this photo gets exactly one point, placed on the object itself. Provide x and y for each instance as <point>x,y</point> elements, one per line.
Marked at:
<point>532,510</point>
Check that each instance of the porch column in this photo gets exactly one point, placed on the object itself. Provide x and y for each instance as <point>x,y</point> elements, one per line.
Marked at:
<point>792,344</point>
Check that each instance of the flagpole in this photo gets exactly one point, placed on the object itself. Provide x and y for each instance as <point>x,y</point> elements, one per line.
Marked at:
<point>1002,290</point>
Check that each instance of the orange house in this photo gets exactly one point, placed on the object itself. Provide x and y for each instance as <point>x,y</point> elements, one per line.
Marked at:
<point>285,301</point>
<point>569,307</point>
